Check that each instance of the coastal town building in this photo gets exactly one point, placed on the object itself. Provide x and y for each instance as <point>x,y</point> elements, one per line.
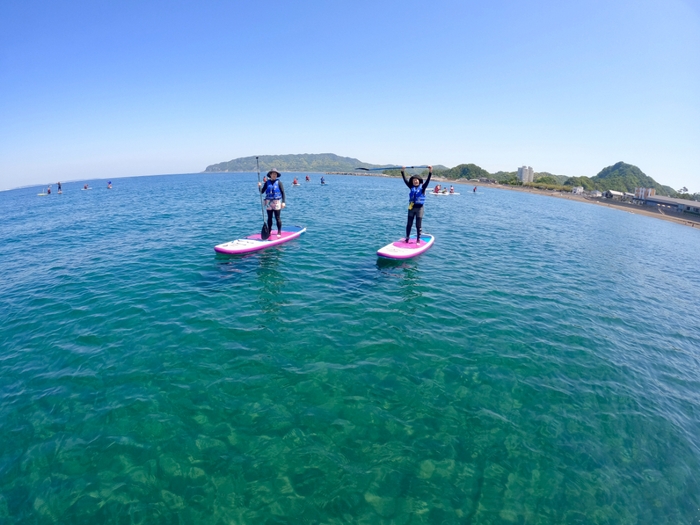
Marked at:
<point>612,194</point>
<point>596,193</point>
<point>671,203</point>
<point>526,174</point>
<point>577,190</point>
<point>643,193</point>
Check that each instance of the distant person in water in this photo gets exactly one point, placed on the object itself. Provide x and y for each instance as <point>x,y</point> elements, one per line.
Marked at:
<point>85,187</point>
<point>323,180</point>
<point>436,189</point>
<point>308,179</point>
<point>59,188</point>
<point>474,189</point>
<point>109,185</point>
<point>295,181</point>
<point>274,199</point>
<point>48,190</point>
<point>416,200</point>
<point>452,189</point>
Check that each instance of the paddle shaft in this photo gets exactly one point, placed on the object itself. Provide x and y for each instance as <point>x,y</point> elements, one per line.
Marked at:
<point>265,231</point>
<point>262,206</point>
<point>391,168</point>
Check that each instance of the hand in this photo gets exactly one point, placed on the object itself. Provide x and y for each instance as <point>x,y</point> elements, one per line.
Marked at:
<point>259,184</point>
<point>430,169</point>
<point>284,205</point>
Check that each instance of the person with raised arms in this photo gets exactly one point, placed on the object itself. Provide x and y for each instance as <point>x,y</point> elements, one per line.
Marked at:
<point>416,200</point>
<point>274,199</point>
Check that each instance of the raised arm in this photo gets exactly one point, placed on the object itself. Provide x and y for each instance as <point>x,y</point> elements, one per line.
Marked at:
<point>405,181</point>
<point>427,181</point>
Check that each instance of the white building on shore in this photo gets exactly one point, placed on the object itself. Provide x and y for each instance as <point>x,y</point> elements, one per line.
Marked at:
<point>643,193</point>
<point>526,174</point>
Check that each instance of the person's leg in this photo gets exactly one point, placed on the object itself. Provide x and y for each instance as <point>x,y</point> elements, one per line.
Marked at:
<point>269,220</point>
<point>409,225</point>
<point>419,223</point>
<point>278,220</point>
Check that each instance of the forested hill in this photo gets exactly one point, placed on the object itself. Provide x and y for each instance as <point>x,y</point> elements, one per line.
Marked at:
<point>307,162</point>
<point>620,177</point>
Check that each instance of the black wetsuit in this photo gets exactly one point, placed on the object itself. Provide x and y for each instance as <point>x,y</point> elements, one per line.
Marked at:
<point>416,210</point>
<point>278,219</point>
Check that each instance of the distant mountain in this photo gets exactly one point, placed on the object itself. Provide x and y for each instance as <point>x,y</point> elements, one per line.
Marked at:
<point>557,179</point>
<point>307,162</point>
<point>464,171</point>
<point>620,177</point>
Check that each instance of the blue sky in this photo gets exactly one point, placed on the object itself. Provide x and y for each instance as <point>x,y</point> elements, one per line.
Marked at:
<point>94,89</point>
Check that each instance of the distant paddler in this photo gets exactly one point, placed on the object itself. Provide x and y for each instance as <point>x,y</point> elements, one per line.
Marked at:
<point>308,179</point>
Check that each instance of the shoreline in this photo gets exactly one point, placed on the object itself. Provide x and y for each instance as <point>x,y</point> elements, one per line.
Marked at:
<point>657,213</point>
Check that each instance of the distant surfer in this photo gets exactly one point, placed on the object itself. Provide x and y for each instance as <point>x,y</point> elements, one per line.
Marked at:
<point>474,189</point>
<point>323,180</point>
<point>109,185</point>
<point>308,179</point>
<point>416,200</point>
<point>48,190</point>
<point>85,187</point>
<point>452,189</point>
<point>295,181</point>
<point>59,188</point>
<point>274,199</point>
<point>436,189</point>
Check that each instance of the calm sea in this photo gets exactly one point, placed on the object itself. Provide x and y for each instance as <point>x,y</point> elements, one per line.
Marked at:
<point>539,365</point>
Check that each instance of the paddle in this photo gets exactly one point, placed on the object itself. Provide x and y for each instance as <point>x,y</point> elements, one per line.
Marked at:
<point>265,232</point>
<point>390,168</point>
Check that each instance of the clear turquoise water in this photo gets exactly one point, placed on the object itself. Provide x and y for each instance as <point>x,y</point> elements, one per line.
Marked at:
<point>540,364</point>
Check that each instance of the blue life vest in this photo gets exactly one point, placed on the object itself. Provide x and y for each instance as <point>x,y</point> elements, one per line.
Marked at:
<point>273,193</point>
<point>416,196</point>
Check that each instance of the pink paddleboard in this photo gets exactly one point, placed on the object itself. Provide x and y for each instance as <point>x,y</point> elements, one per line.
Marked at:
<point>405,250</point>
<point>253,243</point>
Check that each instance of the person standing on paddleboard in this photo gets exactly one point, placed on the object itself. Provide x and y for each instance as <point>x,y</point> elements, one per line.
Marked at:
<point>416,200</point>
<point>274,199</point>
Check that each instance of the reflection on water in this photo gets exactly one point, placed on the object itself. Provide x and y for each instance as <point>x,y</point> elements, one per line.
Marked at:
<point>409,274</point>
<point>271,283</point>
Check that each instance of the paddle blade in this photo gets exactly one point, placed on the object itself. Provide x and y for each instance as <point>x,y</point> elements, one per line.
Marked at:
<point>265,232</point>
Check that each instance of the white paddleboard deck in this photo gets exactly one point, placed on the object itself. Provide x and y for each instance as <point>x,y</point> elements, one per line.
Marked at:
<point>405,250</point>
<point>253,243</point>
<point>448,193</point>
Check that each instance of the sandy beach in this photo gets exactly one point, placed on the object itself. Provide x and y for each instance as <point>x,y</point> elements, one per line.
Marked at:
<point>685,219</point>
